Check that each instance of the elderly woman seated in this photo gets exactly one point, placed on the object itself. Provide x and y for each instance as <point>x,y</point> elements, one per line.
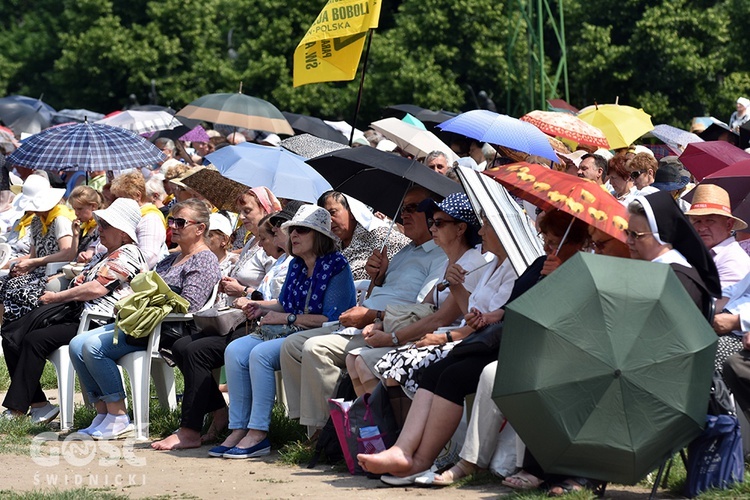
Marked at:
<point>103,281</point>
<point>359,230</point>
<point>318,288</point>
<point>194,271</point>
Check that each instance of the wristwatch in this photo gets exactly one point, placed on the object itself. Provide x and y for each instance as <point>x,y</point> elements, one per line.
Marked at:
<point>291,319</point>
<point>394,339</point>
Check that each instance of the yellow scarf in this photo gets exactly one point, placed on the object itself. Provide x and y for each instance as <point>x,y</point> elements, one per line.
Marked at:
<point>168,199</point>
<point>150,208</point>
<point>88,226</point>
<point>58,211</point>
<point>23,224</point>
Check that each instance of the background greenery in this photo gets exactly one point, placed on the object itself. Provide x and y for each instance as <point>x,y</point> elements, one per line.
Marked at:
<point>675,58</point>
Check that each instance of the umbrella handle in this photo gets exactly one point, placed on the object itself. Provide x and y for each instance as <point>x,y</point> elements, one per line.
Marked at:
<point>565,236</point>
<point>388,235</point>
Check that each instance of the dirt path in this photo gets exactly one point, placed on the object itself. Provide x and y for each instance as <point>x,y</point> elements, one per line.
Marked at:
<point>135,470</point>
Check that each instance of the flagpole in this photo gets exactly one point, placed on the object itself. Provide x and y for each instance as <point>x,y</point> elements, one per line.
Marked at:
<point>361,86</point>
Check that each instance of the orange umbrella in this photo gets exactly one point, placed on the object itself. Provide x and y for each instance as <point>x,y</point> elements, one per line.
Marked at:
<point>550,189</point>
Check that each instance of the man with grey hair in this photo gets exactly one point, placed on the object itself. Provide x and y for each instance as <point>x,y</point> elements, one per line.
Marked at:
<point>437,161</point>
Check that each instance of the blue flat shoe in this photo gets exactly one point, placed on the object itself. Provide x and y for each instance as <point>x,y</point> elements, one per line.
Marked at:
<point>259,450</point>
<point>218,451</point>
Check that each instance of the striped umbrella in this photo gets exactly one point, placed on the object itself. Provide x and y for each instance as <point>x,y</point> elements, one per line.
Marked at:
<point>238,110</point>
<point>512,226</point>
<point>85,146</point>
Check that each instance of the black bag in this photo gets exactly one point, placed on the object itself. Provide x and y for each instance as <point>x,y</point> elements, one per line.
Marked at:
<point>328,441</point>
<point>41,317</point>
<point>485,340</point>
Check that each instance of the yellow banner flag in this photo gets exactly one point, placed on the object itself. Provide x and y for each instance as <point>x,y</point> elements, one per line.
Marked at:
<point>332,47</point>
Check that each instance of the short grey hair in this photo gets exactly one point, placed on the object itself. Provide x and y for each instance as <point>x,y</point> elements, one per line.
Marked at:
<point>433,155</point>
<point>155,186</point>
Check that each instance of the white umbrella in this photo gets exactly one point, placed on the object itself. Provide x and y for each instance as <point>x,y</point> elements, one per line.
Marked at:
<point>142,121</point>
<point>411,139</point>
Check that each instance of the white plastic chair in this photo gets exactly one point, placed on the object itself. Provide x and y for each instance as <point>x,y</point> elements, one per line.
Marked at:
<point>361,286</point>
<point>140,363</point>
<point>66,374</point>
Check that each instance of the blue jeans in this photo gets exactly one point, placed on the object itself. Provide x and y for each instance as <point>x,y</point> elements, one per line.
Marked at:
<point>93,355</point>
<point>250,365</point>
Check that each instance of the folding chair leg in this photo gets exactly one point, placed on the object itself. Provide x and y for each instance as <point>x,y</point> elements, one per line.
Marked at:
<point>667,464</point>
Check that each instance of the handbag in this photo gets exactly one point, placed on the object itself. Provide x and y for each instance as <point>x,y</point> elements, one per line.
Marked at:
<point>715,457</point>
<point>41,317</point>
<point>485,340</point>
<point>219,321</point>
<point>366,425</point>
<point>402,315</point>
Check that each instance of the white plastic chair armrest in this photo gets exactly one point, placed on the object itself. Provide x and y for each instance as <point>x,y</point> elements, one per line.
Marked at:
<point>54,268</point>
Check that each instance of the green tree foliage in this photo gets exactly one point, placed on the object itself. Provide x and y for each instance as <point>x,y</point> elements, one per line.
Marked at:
<point>675,58</point>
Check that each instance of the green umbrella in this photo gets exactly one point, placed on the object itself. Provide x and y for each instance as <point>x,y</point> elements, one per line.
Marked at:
<point>238,110</point>
<point>605,368</point>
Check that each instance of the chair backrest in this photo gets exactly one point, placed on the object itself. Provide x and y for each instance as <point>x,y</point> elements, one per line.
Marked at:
<point>361,286</point>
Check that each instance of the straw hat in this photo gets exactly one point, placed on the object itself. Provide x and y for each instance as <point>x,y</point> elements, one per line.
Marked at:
<point>314,217</point>
<point>711,199</point>
<point>123,214</point>
<point>37,195</point>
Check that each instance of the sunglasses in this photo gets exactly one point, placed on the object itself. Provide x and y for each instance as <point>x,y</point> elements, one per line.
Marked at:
<point>409,209</point>
<point>599,245</point>
<point>438,223</point>
<point>636,235</point>
<point>180,223</point>
<point>299,229</point>
<point>636,174</point>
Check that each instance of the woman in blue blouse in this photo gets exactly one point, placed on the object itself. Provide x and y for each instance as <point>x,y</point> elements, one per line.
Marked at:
<point>318,288</point>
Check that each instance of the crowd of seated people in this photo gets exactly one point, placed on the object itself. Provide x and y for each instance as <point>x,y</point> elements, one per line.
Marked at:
<point>292,269</point>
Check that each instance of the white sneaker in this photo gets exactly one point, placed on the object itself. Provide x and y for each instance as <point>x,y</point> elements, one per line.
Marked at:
<point>45,414</point>
<point>113,427</point>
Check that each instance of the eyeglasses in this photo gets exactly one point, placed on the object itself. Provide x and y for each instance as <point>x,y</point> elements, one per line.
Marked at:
<point>634,175</point>
<point>180,223</point>
<point>409,209</point>
<point>438,223</point>
<point>299,229</point>
<point>553,245</point>
<point>636,235</point>
<point>599,245</point>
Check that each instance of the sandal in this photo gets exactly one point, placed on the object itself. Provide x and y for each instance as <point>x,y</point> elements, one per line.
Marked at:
<point>522,480</point>
<point>572,484</point>
<point>459,471</point>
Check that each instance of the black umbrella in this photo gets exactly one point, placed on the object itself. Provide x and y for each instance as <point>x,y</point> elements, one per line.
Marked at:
<point>400,110</point>
<point>21,117</point>
<point>378,179</point>
<point>303,124</point>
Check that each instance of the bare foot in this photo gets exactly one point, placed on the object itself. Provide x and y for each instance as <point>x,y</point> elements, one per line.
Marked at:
<point>234,438</point>
<point>180,440</point>
<point>392,461</point>
<point>218,424</point>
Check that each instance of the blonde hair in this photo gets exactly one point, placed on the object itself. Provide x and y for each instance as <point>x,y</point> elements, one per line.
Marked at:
<point>88,195</point>
<point>131,185</point>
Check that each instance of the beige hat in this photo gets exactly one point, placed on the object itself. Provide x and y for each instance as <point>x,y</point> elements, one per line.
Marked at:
<point>711,199</point>
<point>314,217</point>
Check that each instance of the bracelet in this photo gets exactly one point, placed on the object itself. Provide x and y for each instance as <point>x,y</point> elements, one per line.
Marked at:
<point>449,336</point>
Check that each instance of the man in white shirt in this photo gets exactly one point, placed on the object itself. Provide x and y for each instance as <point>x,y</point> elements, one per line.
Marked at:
<point>311,360</point>
<point>711,216</point>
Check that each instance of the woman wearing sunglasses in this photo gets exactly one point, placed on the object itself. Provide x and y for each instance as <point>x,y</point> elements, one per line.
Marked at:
<point>102,282</point>
<point>318,288</point>
<point>192,272</point>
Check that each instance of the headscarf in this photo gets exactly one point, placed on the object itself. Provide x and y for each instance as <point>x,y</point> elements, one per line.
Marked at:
<point>669,225</point>
<point>363,215</point>
<point>266,199</point>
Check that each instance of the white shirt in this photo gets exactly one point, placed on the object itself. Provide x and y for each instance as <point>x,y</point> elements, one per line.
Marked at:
<point>739,302</point>
<point>731,261</point>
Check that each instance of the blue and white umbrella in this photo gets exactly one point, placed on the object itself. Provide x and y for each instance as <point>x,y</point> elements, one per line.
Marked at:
<point>284,173</point>
<point>501,130</point>
<point>87,147</point>
<point>676,138</point>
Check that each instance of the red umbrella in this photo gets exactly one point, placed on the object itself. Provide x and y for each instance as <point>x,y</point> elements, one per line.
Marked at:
<point>567,126</point>
<point>735,179</point>
<point>704,158</point>
<point>549,189</point>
